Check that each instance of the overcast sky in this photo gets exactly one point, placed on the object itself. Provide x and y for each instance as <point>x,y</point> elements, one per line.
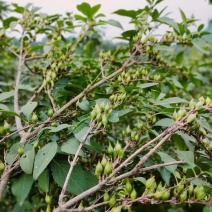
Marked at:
<point>199,8</point>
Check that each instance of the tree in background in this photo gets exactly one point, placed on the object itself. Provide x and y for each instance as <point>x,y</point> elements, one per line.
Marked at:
<point>87,126</point>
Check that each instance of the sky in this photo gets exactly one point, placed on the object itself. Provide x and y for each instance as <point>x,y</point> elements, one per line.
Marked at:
<point>199,8</point>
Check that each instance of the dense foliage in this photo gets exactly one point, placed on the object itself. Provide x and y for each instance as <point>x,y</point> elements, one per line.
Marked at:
<point>89,125</point>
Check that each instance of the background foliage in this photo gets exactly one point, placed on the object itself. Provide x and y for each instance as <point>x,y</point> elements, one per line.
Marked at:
<point>89,124</point>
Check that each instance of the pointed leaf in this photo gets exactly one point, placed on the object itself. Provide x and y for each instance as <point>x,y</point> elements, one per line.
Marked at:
<point>28,108</point>
<point>169,22</point>
<point>43,158</point>
<point>166,122</point>
<point>22,187</point>
<point>71,146</point>
<point>115,23</point>
<point>43,181</point>
<point>6,95</point>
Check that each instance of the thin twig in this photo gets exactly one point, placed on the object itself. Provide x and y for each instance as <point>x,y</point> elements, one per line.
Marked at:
<point>73,163</point>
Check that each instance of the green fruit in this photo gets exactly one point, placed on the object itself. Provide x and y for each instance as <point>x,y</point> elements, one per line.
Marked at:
<point>110,149</point>
<point>117,147</point>
<point>199,105</point>
<point>201,195</point>
<point>34,118</point>
<point>99,169</point>
<point>192,104</point>
<point>6,127</point>
<point>108,168</point>
<point>20,151</point>
<point>150,182</point>
<point>166,195</point>
<point>117,209</point>
<point>1,130</point>
<point>104,161</point>
<point>183,196</point>
<point>106,197</point>
<point>158,194</point>
<point>93,114</point>
<point>180,187</point>
<point>133,194</point>
<point>104,120</point>
<point>54,124</point>
<point>48,209</point>
<point>50,112</point>
<point>48,199</point>
<point>190,189</point>
<point>112,201</point>
<point>128,187</point>
<point>208,102</point>
<point>181,113</point>
<point>121,154</point>
<point>2,167</point>
<point>191,118</point>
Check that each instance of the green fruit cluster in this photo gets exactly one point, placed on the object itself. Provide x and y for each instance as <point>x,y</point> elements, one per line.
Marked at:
<point>5,129</point>
<point>105,167</point>
<point>115,151</point>
<point>100,114</point>
<point>132,134</point>
<point>117,99</point>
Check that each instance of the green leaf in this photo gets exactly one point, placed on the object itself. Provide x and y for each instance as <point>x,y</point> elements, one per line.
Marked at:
<point>147,85</point>
<point>127,13</point>
<point>123,112</point>
<point>172,100</point>
<point>85,105</point>
<point>114,117</point>
<point>4,107</point>
<point>28,108</point>
<point>43,158</point>
<point>43,181</point>
<point>22,187</point>
<point>95,9</point>
<point>188,157</point>
<point>203,123</point>
<point>80,134</point>
<point>26,87</point>
<point>166,122</point>
<point>71,146</point>
<point>166,159</point>
<point>8,21</point>
<point>12,153</point>
<point>85,8</point>
<point>164,48</point>
<point>80,180</point>
<point>169,22</point>
<point>58,128</point>
<point>201,45</point>
<point>180,57</point>
<point>6,95</point>
<point>207,209</point>
<point>94,146</point>
<point>141,179</point>
<point>183,16</point>
<point>166,175</point>
<point>200,27</point>
<point>81,18</point>
<point>27,160</point>
<point>115,23</point>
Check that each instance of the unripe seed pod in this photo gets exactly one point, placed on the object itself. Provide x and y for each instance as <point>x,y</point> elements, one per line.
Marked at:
<point>183,196</point>
<point>104,161</point>
<point>117,147</point>
<point>48,199</point>
<point>202,99</point>
<point>6,127</point>
<point>175,115</point>
<point>112,201</point>
<point>201,195</point>
<point>199,105</point>
<point>158,194</point>
<point>133,194</point>
<point>20,151</point>
<point>54,124</point>
<point>102,106</point>
<point>99,169</point>
<point>110,149</point>
<point>104,120</point>
<point>117,209</point>
<point>93,114</point>
<point>208,102</point>
<point>166,195</point>
<point>99,117</point>
<point>48,79</point>
<point>181,113</point>
<point>108,168</point>
<point>48,209</point>
<point>106,108</point>
<point>150,182</point>
<point>1,130</point>
<point>175,192</point>
<point>128,130</point>
<point>106,197</point>
<point>2,167</point>
<point>34,118</point>
<point>180,187</point>
<point>190,189</point>
<point>121,154</point>
<point>99,125</point>
<point>192,104</point>
<point>202,131</point>
<point>128,187</point>
<point>50,112</point>
<point>97,109</point>
<point>191,118</point>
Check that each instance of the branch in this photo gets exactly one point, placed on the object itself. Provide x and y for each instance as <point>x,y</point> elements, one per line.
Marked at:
<point>73,163</point>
